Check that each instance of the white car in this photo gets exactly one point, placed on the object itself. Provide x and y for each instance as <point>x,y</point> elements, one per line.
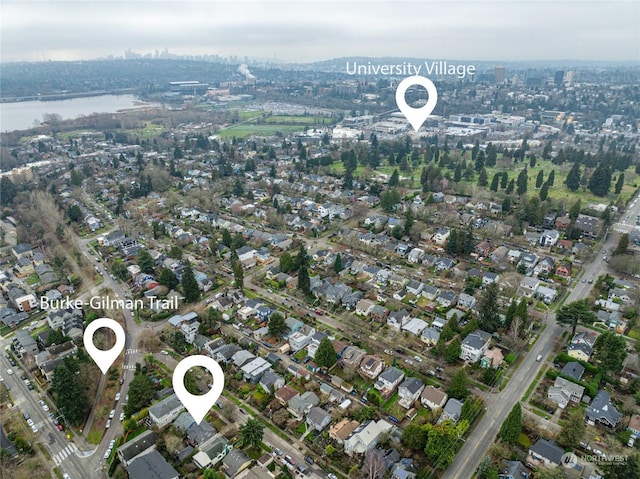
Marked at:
<point>112,413</point>
<point>34,428</point>
<point>107,453</point>
<point>30,422</point>
<point>112,443</point>
<point>121,416</point>
<point>117,397</point>
<point>108,424</point>
<point>9,371</point>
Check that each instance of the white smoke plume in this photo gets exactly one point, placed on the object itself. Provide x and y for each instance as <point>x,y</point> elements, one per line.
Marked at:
<point>244,70</point>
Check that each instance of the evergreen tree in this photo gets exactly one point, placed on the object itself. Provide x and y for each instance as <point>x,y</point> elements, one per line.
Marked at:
<point>574,211</point>
<point>326,355</point>
<point>552,177</point>
<point>190,287</point>
<point>395,178</point>
<point>539,178</point>
<point>8,191</point>
<point>623,244</point>
<point>506,204</point>
<point>238,272</point>
<point>483,179</point>
<point>573,177</point>
<point>495,182</point>
<point>475,150</point>
<point>512,425</point>
<point>479,164</point>
<point>522,182</point>
<point>544,191</point>
<point>459,387</point>
<point>277,326</point>
<point>510,186</point>
<point>337,264</point>
<point>600,181</point>
<point>610,351</point>
<point>409,220</point>
<point>453,350</point>
<point>226,238</point>
<point>492,155</point>
<point>304,283</point>
<point>145,261</point>
<point>415,436</point>
<point>488,308</point>
<point>504,180</point>
<point>619,184</point>
<point>457,174</point>
<point>573,430</point>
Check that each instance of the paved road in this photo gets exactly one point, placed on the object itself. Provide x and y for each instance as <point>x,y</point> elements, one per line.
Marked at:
<point>499,405</point>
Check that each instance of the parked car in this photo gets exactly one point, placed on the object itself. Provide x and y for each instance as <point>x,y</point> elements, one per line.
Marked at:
<point>309,459</point>
<point>108,425</point>
<point>112,413</point>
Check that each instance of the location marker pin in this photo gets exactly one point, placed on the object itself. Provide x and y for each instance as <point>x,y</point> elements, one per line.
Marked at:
<point>104,359</point>
<point>416,116</point>
<point>198,405</point>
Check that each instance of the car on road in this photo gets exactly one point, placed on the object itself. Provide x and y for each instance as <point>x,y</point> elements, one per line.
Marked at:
<point>26,415</point>
<point>60,427</point>
<point>278,451</point>
<point>108,425</point>
<point>309,459</point>
<point>117,397</point>
<point>290,460</point>
<point>590,280</point>
<point>112,413</point>
<point>164,353</point>
<point>319,312</point>
<point>331,475</point>
<point>112,443</point>
<point>539,358</point>
<point>23,377</point>
<point>584,280</point>
<point>34,428</point>
<point>9,371</point>
<point>30,422</point>
<point>107,453</point>
<point>418,358</point>
<point>66,476</point>
<point>408,361</point>
<point>121,416</point>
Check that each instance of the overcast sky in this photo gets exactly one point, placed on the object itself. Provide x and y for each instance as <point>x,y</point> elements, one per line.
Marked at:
<point>317,30</point>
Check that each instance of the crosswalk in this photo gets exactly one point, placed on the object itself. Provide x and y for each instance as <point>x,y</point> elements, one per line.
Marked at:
<point>129,366</point>
<point>134,351</point>
<point>62,455</point>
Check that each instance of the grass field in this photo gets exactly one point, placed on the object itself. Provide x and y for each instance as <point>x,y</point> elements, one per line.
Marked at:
<point>272,124</point>
<point>558,192</point>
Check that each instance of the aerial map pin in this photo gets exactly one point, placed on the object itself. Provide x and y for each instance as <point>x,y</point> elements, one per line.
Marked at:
<point>416,116</point>
<point>104,359</point>
<point>198,405</point>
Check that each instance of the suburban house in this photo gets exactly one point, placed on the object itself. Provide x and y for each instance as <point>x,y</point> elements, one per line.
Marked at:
<point>564,392</point>
<point>366,436</point>
<point>474,345</point>
<point>466,301</point>
<point>352,356</point>
<point>580,351</point>
<point>235,462</point>
<point>430,336</point>
<point>153,462</point>
<point>528,286</point>
<point>441,236</point>
<point>492,358</point>
<point>271,381</point>
<point>371,366</point>
<point>601,410</point>
<point>212,453</point>
<point>136,446</point>
<point>409,391</point>
<point>364,307</point>
<point>285,394</point>
<point>164,412</point>
<point>388,381</point>
<point>545,453</point>
<point>342,430</point>
<point>433,397</point>
<point>318,418</point>
<point>452,410</point>
<point>574,370</point>
<point>299,405</point>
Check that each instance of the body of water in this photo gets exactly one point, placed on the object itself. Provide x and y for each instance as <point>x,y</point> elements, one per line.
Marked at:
<point>25,114</point>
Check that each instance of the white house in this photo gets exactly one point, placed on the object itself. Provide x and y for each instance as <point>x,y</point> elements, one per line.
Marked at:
<point>409,391</point>
<point>389,380</point>
<point>164,412</point>
<point>366,436</point>
<point>474,345</point>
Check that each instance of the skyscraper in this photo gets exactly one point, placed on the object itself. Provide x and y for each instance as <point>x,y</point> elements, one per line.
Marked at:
<point>499,74</point>
<point>559,77</point>
<point>568,78</point>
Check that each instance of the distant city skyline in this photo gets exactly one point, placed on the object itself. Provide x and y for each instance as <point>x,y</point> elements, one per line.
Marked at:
<point>484,30</point>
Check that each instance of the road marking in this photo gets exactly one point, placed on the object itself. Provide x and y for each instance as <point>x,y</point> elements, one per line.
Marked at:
<point>129,366</point>
<point>62,455</point>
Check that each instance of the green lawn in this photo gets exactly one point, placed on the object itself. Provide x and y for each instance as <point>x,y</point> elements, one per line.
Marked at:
<point>247,129</point>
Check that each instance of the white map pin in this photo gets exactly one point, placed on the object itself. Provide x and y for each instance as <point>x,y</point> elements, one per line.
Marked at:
<point>416,116</point>
<point>198,405</point>
<point>104,359</point>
